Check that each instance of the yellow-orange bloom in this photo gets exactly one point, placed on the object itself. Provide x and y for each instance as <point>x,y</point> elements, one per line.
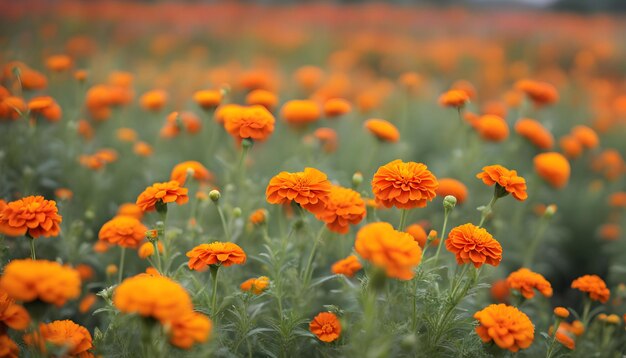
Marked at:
<point>63,334</point>
<point>224,110</point>
<point>59,63</point>
<point>48,281</point>
<point>8,348</point>
<point>87,302</point>
<point>594,286</point>
<point>505,179</point>
<point>404,185</point>
<point>153,100</point>
<point>492,128</point>
<point>507,326</point>
<point>449,186</point>
<point>347,267</point>
<point>255,285</point>
<point>586,136</point>
<point>258,217</point>
<point>343,207</point>
<point>130,209</point>
<point>541,93</point>
<point>309,188</point>
<point>394,251</point>
<point>254,122</point>
<point>124,231</point>
<point>524,280</point>
<point>552,167</point>
<point>300,112</point>
<point>326,326</point>
<point>335,107</point>
<point>473,244</point>
<point>535,133</point>
<point>190,328</point>
<point>198,172</point>
<point>561,312</point>
<point>11,314</point>
<point>147,249</point>
<point>208,99</point>
<point>32,215</point>
<point>167,192</point>
<point>454,98</point>
<point>570,146</point>
<point>382,129</point>
<point>263,98</point>
<point>216,253</point>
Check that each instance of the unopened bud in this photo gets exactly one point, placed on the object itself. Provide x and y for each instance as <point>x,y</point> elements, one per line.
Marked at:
<point>550,211</point>
<point>357,179</point>
<point>247,143</point>
<point>111,270</point>
<point>237,212</point>
<point>215,195</point>
<point>449,202</point>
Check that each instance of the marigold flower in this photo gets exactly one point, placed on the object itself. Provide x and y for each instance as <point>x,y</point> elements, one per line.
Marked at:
<point>261,97</point>
<point>130,209</point>
<point>309,77</point>
<point>473,244</point>
<point>594,286</point>
<point>153,100</point>
<point>84,271</point>
<point>524,280</point>
<point>143,149</point>
<point>404,185</point>
<point>255,285</point>
<point>505,179</point>
<point>8,348</point>
<point>541,93</point>
<point>124,231</point>
<point>12,315</point>
<point>12,107</point>
<point>111,269</point>
<point>152,296</point>
<point>65,334</point>
<point>570,146</point>
<point>147,249</point>
<point>258,217</point>
<point>216,253</point>
<point>465,86</point>
<point>46,107</point>
<point>224,110</point>
<point>347,267</point>
<point>610,163</point>
<point>449,186</point>
<point>411,81</point>
<point>167,192</point>
<point>500,291</point>
<point>565,339</point>
<point>610,231</point>
<point>208,99</point>
<point>59,63</point>
<point>617,199</point>
<point>309,188</point>
<point>87,302</point>
<point>254,122</point>
<point>101,247</point>
<point>327,138</point>
<point>126,134</point>
<point>177,121</point>
<point>561,312</point>
<point>343,207</point>
<point>48,281</point>
<point>454,98</point>
<point>419,235</point>
<point>535,133</point>
<point>507,326</point>
<point>552,167</point>
<point>492,128</point>
<point>383,130</point>
<point>32,215</point>
<point>300,112</point>
<point>336,107</point>
<point>190,328</point>
<point>326,327</point>
<point>395,252</point>
<point>586,136</point>
<point>63,194</point>
<point>198,172</point>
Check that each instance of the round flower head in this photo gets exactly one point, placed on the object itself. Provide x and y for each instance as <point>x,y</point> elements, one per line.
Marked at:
<point>327,138</point>
<point>594,286</point>
<point>525,281</point>
<point>198,171</point>
<point>47,281</point>
<point>552,167</point>
<point>217,253</point>
<point>263,98</point>
<point>189,328</point>
<point>492,128</point>
<point>570,146</point>
<point>75,338</point>
<point>383,130</point>
<point>395,252</point>
<point>12,315</point>
<point>130,209</point>
<point>454,98</point>
<point>254,122</point>
<point>505,179</point>
<point>347,267</point>
<point>157,297</point>
<point>300,112</point>
<point>419,234</point>
<point>586,136</point>
<point>535,133</point>
<point>255,285</point>
<point>125,231</point>
<point>404,185</point>
<point>449,186</point>
<point>224,110</point>
<point>326,326</point>
<point>343,207</point>
<point>561,312</point>
<point>472,244</point>
<point>8,348</point>
<point>541,93</point>
<point>309,188</point>
<point>32,215</point>
<point>507,326</point>
<point>147,249</point>
<point>208,99</point>
<point>336,107</point>
<point>258,217</point>
<point>153,100</point>
<point>167,192</point>
<point>500,291</point>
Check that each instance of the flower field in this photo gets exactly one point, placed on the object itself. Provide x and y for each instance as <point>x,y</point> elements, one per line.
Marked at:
<point>187,179</point>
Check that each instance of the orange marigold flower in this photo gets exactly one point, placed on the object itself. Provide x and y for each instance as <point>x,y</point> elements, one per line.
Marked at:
<point>449,186</point>
<point>552,167</point>
<point>525,281</point>
<point>419,235</point>
<point>610,232</point>
<point>492,128</point>
<point>261,97</point>
<point>500,291</point>
<point>143,149</point>
<point>48,281</point>
<point>254,122</point>
<point>536,133</point>
<point>158,297</point>
<point>300,112</point>
<point>404,185</point>
<point>190,328</point>
<point>617,199</point>
<point>59,63</point>
<point>541,93</point>
<point>564,337</point>
<point>85,129</point>
<point>570,146</point>
<point>255,285</point>
<point>12,107</point>
<point>383,130</point>
<point>130,209</point>
<point>75,338</point>
<point>124,231</point>
<point>224,110</point>
<point>327,137</point>
<point>505,179</point>
<point>454,98</point>
<point>63,194</point>
<point>111,269</point>
<point>309,188</point>
<point>101,247</point>
<point>610,163</point>
<point>347,267</point>
<point>326,326</point>
<point>46,107</point>
<point>208,99</point>
<point>309,77</point>
<point>8,348</point>
<point>395,252</point>
<point>507,326</point>
<point>177,121</point>
<point>411,81</point>
<point>594,286</point>
<point>87,302</point>
<point>258,217</point>
<point>336,107</point>
<point>167,192</point>
<point>11,314</point>
<point>216,253</point>
<point>84,271</point>
<point>343,207</point>
<point>465,86</point>
<point>473,244</point>
<point>586,136</point>
<point>126,134</point>
<point>153,100</point>
<point>147,249</point>
<point>561,312</point>
<point>198,172</point>
<point>32,215</point>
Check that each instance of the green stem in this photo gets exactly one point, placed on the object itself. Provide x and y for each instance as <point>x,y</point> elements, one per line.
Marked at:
<point>121,269</point>
<point>307,270</point>
<point>550,350</point>
<point>586,309</point>
<point>403,217</point>
<point>443,235</point>
<point>223,220</point>
<point>159,267</point>
<point>32,247</point>
<point>214,271</point>
<point>532,248</point>
<point>245,147</point>
<point>487,210</point>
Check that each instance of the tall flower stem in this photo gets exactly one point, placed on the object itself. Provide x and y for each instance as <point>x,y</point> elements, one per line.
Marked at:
<point>121,269</point>
<point>585,316</point>
<point>448,205</point>
<point>487,210</point>
<point>532,248</point>
<point>246,144</point>
<point>214,271</point>
<point>550,350</point>
<point>403,216</point>
<point>223,220</point>
<point>32,247</point>
<point>307,271</point>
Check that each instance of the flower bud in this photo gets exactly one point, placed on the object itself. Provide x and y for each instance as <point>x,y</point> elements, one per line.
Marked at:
<point>111,270</point>
<point>561,312</point>
<point>357,179</point>
<point>214,195</point>
<point>247,143</point>
<point>449,202</point>
<point>237,212</point>
<point>550,211</point>
<point>612,319</point>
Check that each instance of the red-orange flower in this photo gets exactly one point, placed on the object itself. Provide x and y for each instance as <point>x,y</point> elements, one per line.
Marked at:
<point>534,132</point>
<point>255,285</point>
<point>524,280</point>
<point>449,186</point>
<point>216,253</point>
<point>198,172</point>
<point>153,100</point>
<point>472,244</point>
<point>343,207</point>
<point>254,122</point>
<point>541,93</point>
<point>309,188</point>
<point>8,348</point>
<point>454,98</point>
<point>11,314</point>
<point>347,267</point>
<point>167,192</point>
<point>189,328</point>
<point>586,136</point>
<point>594,286</point>
<point>552,167</point>
<point>382,129</point>
<point>258,217</point>
<point>32,215</point>
<point>505,179</point>
<point>66,334</point>
<point>404,185</point>
<point>507,326</point>
<point>326,326</point>
<point>492,128</point>
<point>125,231</point>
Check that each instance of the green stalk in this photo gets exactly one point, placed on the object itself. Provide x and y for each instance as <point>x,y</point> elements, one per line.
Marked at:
<point>403,217</point>
<point>307,271</point>
<point>443,235</point>
<point>33,256</point>
<point>121,269</point>
<point>214,271</point>
<point>487,210</point>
